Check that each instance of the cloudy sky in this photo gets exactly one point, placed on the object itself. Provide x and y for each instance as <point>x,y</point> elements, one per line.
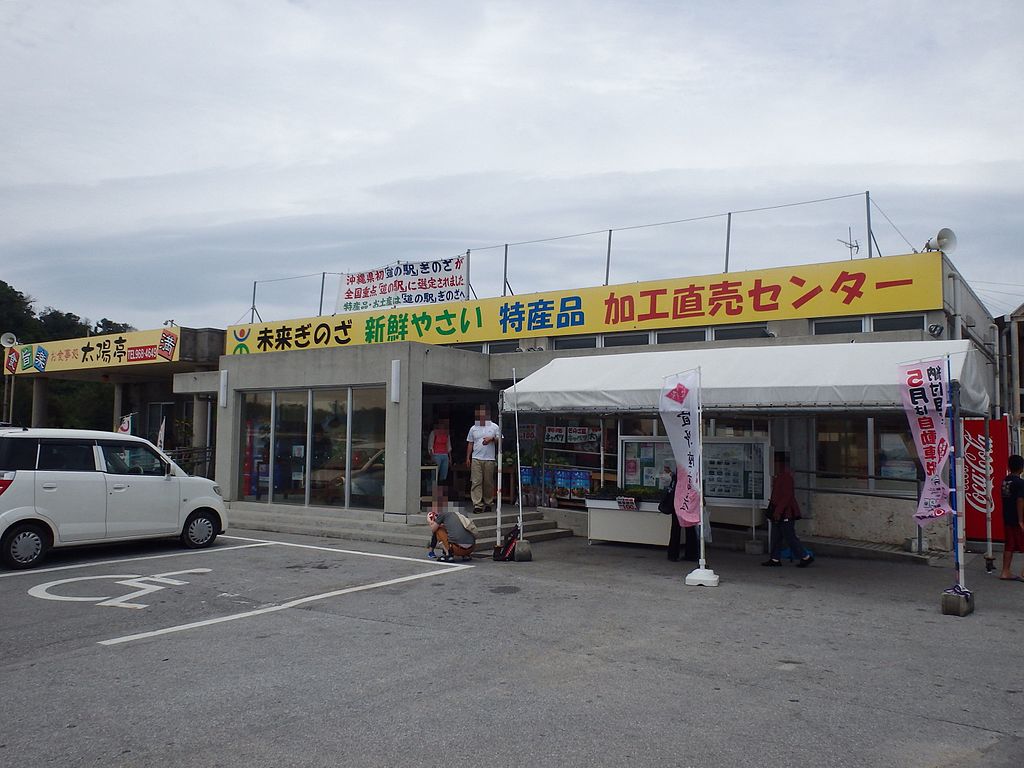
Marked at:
<point>158,157</point>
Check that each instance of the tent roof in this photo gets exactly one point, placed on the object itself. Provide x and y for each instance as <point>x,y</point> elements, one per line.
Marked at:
<point>806,377</point>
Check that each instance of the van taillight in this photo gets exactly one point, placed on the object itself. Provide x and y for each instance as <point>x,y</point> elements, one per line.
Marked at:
<point>6,478</point>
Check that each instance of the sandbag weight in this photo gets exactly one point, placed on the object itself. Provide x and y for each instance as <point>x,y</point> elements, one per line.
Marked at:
<point>523,553</point>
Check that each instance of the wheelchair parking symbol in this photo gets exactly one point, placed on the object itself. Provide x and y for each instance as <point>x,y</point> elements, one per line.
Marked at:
<point>142,585</point>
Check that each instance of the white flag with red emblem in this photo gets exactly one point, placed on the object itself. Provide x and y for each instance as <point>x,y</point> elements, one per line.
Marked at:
<point>680,412</point>
<point>125,427</point>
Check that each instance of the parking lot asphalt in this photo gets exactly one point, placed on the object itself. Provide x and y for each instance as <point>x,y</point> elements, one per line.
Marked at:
<point>318,652</point>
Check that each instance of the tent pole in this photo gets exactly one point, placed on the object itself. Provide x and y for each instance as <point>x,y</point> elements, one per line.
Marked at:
<point>700,468</point>
<point>989,558</point>
<point>497,502</point>
<point>519,466</point>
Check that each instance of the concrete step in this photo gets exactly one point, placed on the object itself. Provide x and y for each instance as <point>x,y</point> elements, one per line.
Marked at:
<point>313,523</point>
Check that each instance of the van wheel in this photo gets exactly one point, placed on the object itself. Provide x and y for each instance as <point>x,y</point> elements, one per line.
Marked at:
<point>200,530</point>
<point>24,546</point>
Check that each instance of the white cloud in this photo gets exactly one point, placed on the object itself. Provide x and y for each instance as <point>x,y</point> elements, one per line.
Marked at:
<point>196,146</point>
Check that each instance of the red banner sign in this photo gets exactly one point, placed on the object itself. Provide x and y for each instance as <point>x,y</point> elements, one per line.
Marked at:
<point>979,488</point>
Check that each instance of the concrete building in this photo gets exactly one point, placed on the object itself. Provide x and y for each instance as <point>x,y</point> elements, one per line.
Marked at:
<point>328,415</point>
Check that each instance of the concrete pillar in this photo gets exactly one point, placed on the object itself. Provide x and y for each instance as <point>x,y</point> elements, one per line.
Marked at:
<point>402,437</point>
<point>39,404</point>
<point>200,421</point>
<point>200,426</point>
<point>118,405</point>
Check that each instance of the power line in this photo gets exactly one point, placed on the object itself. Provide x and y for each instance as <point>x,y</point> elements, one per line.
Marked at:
<point>886,217</point>
<point>673,221</point>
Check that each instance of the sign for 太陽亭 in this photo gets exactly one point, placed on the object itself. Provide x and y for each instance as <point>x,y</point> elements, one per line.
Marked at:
<point>110,350</point>
<point>862,287</point>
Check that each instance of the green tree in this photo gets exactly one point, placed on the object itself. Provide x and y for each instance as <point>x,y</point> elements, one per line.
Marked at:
<point>16,314</point>
<point>62,325</point>
<point>105,326</point>
<point>71,404</point>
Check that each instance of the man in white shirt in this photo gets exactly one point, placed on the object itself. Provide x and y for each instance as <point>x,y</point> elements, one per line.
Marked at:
<point>481,457</point>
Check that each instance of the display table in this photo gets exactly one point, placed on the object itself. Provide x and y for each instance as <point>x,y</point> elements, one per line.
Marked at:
<point>646,525</point>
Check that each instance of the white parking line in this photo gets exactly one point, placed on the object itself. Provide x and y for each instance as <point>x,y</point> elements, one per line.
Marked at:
<point>275,608</point>
<point>33,571</point>
<point>419,560</point>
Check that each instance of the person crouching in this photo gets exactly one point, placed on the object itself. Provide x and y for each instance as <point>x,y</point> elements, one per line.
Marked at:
<point>448,528</point>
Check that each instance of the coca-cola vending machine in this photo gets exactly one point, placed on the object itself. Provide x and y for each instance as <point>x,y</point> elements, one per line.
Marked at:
<point>978,487</point>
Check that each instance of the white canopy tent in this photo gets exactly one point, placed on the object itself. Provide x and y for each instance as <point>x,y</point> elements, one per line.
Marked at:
<point>782,378</point>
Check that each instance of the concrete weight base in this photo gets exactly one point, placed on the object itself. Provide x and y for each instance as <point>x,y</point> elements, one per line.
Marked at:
<point>523,551</point>
<point>954,604</point>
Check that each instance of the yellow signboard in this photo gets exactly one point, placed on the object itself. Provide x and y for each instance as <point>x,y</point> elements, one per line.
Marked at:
<point>108,351</point>
<point>862,287</point>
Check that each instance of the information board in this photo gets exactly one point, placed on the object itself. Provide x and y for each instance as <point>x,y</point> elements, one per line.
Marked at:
<point>736,471</point>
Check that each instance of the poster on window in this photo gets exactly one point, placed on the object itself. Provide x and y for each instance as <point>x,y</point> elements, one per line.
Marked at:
<point>554,434</point>
<point>527,432</point>
<point>579,435</point>
<point>924,390</point>
<point>983,475</point>
<point>679,406</point>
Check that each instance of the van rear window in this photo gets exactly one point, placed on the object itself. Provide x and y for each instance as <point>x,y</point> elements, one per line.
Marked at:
<point>18,453</point>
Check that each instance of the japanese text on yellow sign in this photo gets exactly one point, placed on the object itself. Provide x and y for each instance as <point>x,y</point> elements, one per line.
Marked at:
<point>866,286</point>
<point>107,351</point>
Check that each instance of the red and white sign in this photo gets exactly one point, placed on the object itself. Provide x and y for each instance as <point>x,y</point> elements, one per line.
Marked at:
<point>137,354</point>
<point>979,488</point>
<point>924,389</point>
<point>680,412</point>
<point>11,361</point>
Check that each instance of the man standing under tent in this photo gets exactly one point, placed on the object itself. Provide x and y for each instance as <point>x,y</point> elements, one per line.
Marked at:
<point>482,457</point>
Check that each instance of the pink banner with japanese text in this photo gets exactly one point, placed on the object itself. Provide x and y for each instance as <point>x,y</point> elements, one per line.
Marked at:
<point>680,413</point>
<point>924,390</point>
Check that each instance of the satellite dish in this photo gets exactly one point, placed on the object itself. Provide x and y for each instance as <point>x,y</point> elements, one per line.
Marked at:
<point>945,241</point>
<point>9,340</point>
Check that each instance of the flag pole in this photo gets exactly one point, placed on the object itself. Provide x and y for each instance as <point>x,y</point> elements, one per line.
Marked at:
<point>958,599</point>
<point>701,576</point>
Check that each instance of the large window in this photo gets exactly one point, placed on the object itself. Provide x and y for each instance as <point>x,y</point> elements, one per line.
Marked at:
<point>574,342</point>
<point>367,471</point>
<point>329,458</point>
<point>626,339</point>
<point>255,446</point>
<point>682,336</point>
<point>898,323</point>
<point>842,452</point>
<point>896,466</point>
<point>875,453</point>
<point>838,325</point>
<point>290,427</point>
<point>338,454</point>
<point>501,347</point>
<point>728,332</point>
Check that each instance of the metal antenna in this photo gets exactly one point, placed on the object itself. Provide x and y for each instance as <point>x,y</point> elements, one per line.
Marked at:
<point>852,245</point>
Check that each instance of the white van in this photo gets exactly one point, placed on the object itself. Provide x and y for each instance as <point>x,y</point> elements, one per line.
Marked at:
<point>64,487</point>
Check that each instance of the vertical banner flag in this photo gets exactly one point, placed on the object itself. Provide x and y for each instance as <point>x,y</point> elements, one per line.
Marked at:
<point>160,434</point>
<point>125,427</point>
<point>680,411</point>
<point>924,389</point>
